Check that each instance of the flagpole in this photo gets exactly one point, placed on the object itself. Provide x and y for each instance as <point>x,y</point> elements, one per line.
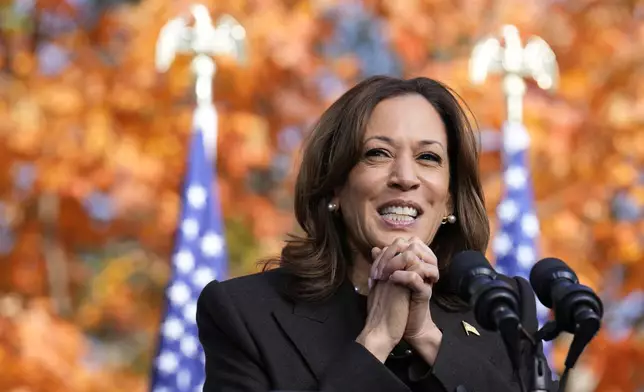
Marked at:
<point>200,251</point>
<point>203,40</point>
<point>536,60</point>
<point>506,56</point>
<point>515,243</point>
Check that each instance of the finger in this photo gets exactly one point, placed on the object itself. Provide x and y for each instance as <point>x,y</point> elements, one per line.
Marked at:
<point>402,261</point>
<point>398,246</point>
<point>416,252</point>
<point>376,261</point>
<point>389,263</point>
<point>428,272</point>
<point>412,281</point>
<point>422,250</point>
<point>375,252</point>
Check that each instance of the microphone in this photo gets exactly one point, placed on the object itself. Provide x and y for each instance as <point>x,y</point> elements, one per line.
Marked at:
<point>495,302</point>
<point>577,309</point>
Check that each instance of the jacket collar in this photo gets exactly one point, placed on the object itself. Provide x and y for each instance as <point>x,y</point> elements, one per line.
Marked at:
<point>320,331</point>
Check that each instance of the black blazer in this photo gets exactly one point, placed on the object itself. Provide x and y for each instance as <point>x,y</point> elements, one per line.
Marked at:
<point>256,340</point>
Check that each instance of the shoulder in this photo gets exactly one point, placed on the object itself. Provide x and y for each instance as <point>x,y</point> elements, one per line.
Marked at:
<point>247,291</point>
<point>231,315</point>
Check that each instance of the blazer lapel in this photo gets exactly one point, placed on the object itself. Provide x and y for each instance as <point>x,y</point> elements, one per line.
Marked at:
<point>321,331</point>
<point>462,326</point>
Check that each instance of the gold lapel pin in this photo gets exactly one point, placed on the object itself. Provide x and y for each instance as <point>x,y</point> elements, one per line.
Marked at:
<point>470,329</point>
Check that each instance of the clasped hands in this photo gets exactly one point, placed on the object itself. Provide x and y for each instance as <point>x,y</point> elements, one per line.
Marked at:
<point>402,276</point>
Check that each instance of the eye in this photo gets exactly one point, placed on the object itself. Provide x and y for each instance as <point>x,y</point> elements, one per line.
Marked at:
<point>430,156</point>
<point>377,153</point>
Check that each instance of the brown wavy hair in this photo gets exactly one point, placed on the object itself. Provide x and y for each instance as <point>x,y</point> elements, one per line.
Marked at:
<point>318,261</point>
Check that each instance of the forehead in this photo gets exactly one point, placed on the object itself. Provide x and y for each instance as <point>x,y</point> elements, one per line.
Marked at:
<point>406,118</point>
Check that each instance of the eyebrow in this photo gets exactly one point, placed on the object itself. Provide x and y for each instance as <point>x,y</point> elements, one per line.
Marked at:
<point>389,140</point>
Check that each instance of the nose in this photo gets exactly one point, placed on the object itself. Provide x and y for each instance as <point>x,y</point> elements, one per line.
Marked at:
<point>403,175</point>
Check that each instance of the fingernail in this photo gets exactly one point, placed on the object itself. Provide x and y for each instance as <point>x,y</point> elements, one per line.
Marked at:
<point>370,283</point>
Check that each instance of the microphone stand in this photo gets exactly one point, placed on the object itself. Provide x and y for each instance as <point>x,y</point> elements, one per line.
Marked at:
<point>584,333</point>
<point>540,376</point>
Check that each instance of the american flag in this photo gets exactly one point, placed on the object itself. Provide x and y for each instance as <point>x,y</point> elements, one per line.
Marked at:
<point>199,257</point>
<point>515,245</point>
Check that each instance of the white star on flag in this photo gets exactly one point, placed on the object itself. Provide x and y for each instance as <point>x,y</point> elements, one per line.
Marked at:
<point>202,276</point>
<point>516,177</point>
<point>525,256</point>
<point>508,211</point>
<point>168,362</point>
<point>197,196</point>
<point>179,293</point>
<point>502,244</point>
<point>190,312</point>
<point>189,346</point>
<point>190,228</point>
<point>184,261</point>
<point>530,225</point>
<point>173,328</point>
<point>212,244</point>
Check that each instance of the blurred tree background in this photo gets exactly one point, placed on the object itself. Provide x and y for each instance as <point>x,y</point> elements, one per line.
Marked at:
<point>93,148</point>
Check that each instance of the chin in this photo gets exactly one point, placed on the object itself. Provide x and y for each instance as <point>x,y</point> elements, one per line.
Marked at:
<point>389,238</point>
<point>386,239</point>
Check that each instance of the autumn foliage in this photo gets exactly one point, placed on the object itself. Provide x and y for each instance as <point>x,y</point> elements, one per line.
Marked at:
<point>93,147</point>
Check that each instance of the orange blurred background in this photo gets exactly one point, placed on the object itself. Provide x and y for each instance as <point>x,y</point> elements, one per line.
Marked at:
<point>93,145</point>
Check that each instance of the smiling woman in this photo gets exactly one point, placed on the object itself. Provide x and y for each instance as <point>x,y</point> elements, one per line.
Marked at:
<point>387,193</point>
<point>385,140</point>
<point>400,185</point>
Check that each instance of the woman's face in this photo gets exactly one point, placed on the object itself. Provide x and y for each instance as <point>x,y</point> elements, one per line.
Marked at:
<point>400,187</point>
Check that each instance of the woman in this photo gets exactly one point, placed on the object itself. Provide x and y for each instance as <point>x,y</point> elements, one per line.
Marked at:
<point>387,192</point>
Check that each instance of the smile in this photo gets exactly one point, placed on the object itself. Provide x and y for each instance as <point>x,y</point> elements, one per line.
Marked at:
<point>399,214</point>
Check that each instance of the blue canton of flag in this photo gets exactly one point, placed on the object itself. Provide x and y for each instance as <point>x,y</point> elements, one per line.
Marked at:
<point>515,243</point>
<point>200,256</point>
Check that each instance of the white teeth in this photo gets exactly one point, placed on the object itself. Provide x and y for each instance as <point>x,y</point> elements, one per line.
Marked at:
<point>398,218</point>
<point>401,211</point>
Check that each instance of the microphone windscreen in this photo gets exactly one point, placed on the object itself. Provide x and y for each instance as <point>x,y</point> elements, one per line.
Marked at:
<point>544,272</point>
<point>460,269</point>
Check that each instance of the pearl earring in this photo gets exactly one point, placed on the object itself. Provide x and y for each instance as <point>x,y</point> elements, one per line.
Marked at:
<point>332,206</point>
<point>451,218</point>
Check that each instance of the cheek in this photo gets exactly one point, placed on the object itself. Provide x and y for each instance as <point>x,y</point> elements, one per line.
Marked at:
<point>355,198</point>
<point>444,181</point>
<point>353,208</point>
<point>444,192</point>
<point>362,185</point>
<point>439,186</point>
